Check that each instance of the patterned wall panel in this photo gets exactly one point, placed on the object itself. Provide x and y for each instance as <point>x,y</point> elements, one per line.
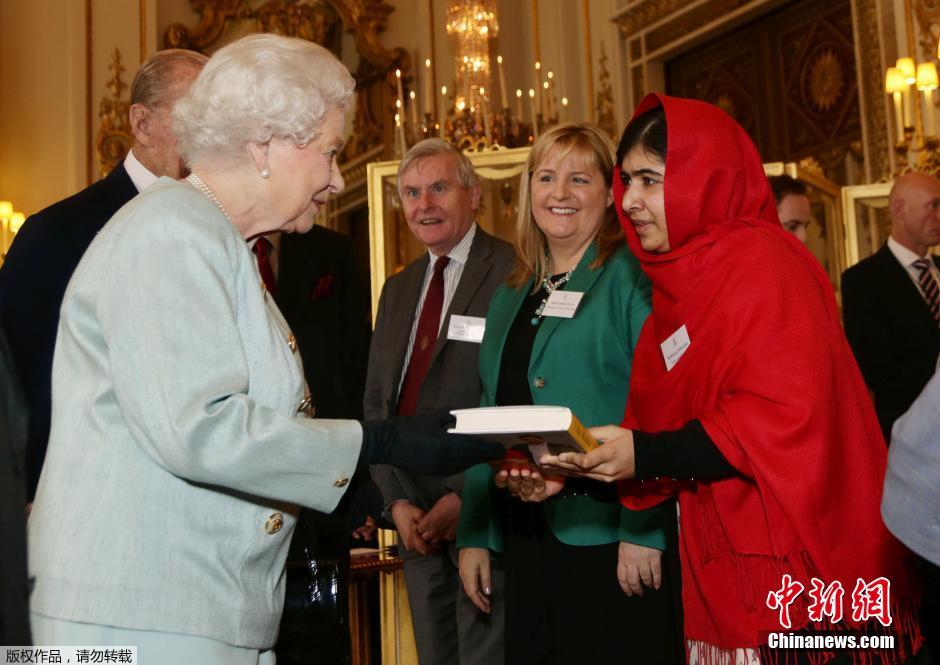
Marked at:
<point>789,79</point>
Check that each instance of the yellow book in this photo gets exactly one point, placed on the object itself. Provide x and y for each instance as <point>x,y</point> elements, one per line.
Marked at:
<point>555,427</point>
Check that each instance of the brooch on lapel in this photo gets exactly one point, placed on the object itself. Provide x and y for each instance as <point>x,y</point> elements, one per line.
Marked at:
<point>324,288</point>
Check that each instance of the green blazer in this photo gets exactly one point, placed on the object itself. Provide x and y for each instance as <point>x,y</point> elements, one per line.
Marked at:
<point>582,363</point>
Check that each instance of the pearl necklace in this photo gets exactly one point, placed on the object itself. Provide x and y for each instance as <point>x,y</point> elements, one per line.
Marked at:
<point>550,287</point>
<point>203,188</point>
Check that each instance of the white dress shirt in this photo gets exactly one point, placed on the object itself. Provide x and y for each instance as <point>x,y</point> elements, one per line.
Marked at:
<point>906,258</point>
<point>452,272</point>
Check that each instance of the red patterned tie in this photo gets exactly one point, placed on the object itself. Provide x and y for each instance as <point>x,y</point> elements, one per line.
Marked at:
<point>261,249</point>
<point>929,287</point>
<point>425,339</point>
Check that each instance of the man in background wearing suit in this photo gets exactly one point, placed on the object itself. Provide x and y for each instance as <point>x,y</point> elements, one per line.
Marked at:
<point>417,364</point>
<point>890,301</point>
<point>51,243</point>
<point>317,284</point>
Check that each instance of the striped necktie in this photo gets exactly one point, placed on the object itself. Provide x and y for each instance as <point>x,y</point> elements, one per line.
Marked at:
<point>928,285</point>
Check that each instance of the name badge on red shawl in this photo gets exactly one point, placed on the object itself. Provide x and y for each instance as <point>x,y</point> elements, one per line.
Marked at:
<point>675,346</point>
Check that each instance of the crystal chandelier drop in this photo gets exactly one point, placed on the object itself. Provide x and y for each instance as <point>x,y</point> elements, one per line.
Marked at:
<point>471,25</point>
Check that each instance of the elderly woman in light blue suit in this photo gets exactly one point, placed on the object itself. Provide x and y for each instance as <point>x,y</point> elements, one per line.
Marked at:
<point>181,447</point>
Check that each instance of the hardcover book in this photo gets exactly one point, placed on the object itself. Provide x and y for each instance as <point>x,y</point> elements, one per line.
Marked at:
<point>554,429</point>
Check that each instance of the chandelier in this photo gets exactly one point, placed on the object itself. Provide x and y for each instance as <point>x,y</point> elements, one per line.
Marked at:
<point>471,115</point>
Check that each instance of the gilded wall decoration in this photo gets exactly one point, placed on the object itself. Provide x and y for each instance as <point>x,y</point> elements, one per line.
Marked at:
<point>690,21</point>
<point>788,78</point>
<point>877,164</point>
<point>647,13</point>
<point>928,25</point>
<point>604,106</point>
<point>323,22</point>
<point>114,136</point>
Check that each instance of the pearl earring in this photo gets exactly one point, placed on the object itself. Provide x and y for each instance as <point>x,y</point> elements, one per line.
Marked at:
<point>265,173</point>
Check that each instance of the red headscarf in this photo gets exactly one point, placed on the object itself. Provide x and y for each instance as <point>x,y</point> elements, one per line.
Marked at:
<point>771,377</point>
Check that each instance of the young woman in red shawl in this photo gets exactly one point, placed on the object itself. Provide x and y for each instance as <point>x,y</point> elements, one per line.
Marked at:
<point>745,401</point>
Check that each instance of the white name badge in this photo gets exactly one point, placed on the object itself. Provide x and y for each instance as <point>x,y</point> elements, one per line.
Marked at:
<point>563,304</point>
<point>466,328</point>
<point>674,347</point>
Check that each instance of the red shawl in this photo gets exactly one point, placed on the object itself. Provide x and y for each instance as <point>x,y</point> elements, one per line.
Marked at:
<point>774,383</point>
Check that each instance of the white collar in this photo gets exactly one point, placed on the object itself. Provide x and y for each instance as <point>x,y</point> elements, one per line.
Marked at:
<point>461,251</point>
<point>139,174</point>
<point>904,255</point>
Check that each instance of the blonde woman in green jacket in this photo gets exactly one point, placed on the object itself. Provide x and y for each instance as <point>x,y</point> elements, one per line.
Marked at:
<point>577,564</point>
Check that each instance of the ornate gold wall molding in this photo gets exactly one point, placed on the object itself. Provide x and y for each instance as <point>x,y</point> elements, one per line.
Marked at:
<point>604,106</point>
<point>690,21</point>
<point>871,91</point>
<point>115,137</point>
<point>927,13</point>
<point>365,19</point>
<point>320,21</point>
<point>646,14</point>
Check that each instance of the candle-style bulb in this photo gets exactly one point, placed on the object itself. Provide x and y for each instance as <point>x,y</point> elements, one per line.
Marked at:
<point>908,69</point>
<point>443,89</point>
<point>518,93</point>
<point>499,59</point>
<point>894,80</point>
<point>531,93</point>
<point>564,101</point>
<point>398,73</point>
<point>427,62</point>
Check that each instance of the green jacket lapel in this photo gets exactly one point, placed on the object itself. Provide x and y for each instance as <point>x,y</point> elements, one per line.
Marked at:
<point>582,279</point>
<point>503,310</point>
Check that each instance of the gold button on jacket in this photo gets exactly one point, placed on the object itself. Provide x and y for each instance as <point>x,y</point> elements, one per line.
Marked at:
<point>342,481</point>
<point>292,342</point>
<point>274,523</point>
<point>539,382</point>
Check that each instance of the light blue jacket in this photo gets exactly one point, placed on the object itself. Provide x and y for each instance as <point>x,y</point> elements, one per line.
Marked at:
<point>582,363</point>
<point>175,437</point>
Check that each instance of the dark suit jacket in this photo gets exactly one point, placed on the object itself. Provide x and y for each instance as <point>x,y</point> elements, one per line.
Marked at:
<point>32,283</point>
<point>453,377</point>
<point>324,298</point>
<point>892,333</point>
<point>14,599</point>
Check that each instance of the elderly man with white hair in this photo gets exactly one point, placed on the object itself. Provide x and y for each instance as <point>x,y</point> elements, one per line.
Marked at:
<point>181,446</point>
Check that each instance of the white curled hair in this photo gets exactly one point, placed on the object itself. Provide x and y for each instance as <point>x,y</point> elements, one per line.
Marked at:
<point>260,87</point>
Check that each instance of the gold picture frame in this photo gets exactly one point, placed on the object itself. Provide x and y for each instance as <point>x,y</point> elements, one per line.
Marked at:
<point>865,214</point>
<point>391,245</point>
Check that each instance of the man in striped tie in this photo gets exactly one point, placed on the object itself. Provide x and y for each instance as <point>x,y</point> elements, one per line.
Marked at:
<point>891,301</point>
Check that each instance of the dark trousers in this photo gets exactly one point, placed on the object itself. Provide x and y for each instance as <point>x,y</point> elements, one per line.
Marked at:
<point>557,594</point>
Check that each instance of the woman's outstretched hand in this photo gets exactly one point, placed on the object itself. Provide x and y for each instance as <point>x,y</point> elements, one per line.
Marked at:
<point>527,482</point>
<point>612,461</point>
